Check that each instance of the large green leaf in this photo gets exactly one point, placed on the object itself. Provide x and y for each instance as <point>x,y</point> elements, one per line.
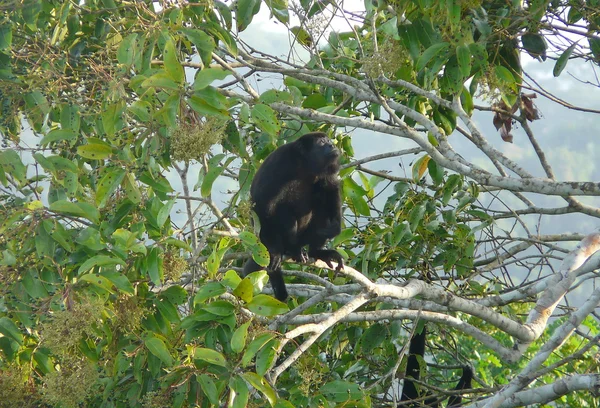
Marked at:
<point>95,151</point>
<point>430,53</point>
<point>207,76</point>
<point>238,339</point>
<point>9,329</point>
<point>561,62</point>
<point>127,49</point>
<point>108,184</point>
<point>57,135</point>
<point>210,356</point>
<point>99,260</point>
<point>341,391</point>
<point>80,209</point>
<point>171,61</point>
<point>245,10</point>
<point>157,347</point>
<point>266,119</point>
<point>265,305</point>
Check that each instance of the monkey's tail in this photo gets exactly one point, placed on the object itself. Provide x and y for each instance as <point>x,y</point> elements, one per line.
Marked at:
<point>275,278</point>
<point>278,284</point>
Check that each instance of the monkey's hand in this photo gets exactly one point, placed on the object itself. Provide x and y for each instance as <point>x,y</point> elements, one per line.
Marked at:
<point>327,256</point>
<point>301,256</point>
<point>275,263</point>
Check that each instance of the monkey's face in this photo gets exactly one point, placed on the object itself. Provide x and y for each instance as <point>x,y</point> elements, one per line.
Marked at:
<point>323,157</point>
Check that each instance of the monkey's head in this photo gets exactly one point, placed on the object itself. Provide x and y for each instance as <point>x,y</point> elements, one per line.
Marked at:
<point>320,156</point>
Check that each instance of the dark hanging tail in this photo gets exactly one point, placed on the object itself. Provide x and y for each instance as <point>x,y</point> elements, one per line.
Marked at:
<point>413,371</point>
<point>276,280</point>
<point>463,384</point>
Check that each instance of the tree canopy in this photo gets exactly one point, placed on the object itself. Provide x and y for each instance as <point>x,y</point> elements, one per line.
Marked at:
<point>131,131</point>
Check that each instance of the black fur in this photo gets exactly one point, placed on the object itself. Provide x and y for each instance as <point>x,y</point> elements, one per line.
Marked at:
<point>409,390</point>
<point>296,195</point>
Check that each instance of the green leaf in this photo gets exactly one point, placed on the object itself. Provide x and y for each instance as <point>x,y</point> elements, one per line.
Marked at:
<point>248,239</point>
<point>429,54</point>
<point>158,348</point>
<point>266,356</point>
<point>356,194</point>
<point>534,44</point>
<point>160,80</point>
<point>99,260</point>
<point>57,135</point>
<point>463,56</point>
<point>172,64</point>
<point>166,309</point>
<point>156,181</point>
<point>279,9</point>
<point>245,290</point>
<point>265,118</point>
<point>202,106</point>
<point>164,212</point>
<point>43,244</point>
<point>90,238</point>
<point>246,9</point>
<point>262,385</point>
<point>11,163</point>
<point>238,339</point>
<point>120,281</point>
<point>436,172</point>
<point>209,388</point>
<point>98,280</point>
<point>207,76</point>
<point>127,50</point>
<point>5,35</point>
<point>373,337</point>
<point>594,45</point>
<point>141,109</point>
<point>131,188</point>
<point>155,271</point>
<point>210,356</point>
<point>419,167</point>
<point>33,285</point>
<point>70,117</point>
<point>112,118</point>
<point>9,329</point>
<point>265,305</point>
<point>204,43</point>
<point>238,392</point>
<point>207,291</point>
<point>175,294</point>
<point>561,62</point>
<point>94,151</point>
<point>274,95</point>
<point>231,279</point>
<point>416,216</point>
<point>255,345</point>
<point>220,308</point>
<point>209,179</point>
<point>341,391</point>
<point>302,36</point>
<point>79,209</point>
<point>179,244</point>
<point>108,185</point>
<point>505,75</point>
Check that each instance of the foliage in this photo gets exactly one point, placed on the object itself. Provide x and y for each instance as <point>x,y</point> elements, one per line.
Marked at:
<point>121,288</point>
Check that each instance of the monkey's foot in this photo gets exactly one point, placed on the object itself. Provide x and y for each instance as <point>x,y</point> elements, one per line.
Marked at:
<point>301,257</point>
<point>327,256</point>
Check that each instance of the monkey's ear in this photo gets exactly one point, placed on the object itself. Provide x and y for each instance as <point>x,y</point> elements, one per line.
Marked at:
<point>305,144</point>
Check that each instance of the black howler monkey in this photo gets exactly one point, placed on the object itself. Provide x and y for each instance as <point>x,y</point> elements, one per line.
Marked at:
<point>409,390</point>
<point>296,196</point>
